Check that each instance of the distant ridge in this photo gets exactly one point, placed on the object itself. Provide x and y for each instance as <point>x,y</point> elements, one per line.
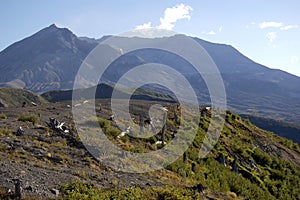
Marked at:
<point>104,91</point>
<point>16,97</point>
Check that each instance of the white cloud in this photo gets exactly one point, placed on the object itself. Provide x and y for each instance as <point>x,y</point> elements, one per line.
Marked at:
<point>271,36</point>
<point>264,25</point>
<point>294,59</point>
<point>172,15</point>
<point>279,25</point>
<point>143,26</point>
<point>211,32</point>
<point>288,27</point>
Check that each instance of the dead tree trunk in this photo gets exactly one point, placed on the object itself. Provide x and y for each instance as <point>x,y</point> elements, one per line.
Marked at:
<point>17,183</point>
<point>185,159</point>
<point>194,167</point>
<point>164,129</point>
<point>141,124</point>
<point>176,117</point>
<point>235,166</point>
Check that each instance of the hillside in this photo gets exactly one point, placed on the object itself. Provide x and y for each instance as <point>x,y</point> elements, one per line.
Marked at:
<point>104,91</point>
<point>281,128</point>
<point>246,163</point>
<point>16,97</point>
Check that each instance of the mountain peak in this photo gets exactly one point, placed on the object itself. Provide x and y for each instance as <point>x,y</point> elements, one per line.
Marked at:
<point>53,26</point>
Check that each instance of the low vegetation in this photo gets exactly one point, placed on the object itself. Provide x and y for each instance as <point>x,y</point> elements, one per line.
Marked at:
<point>16,97</point>
<point>281,128</point>
<point>3,116</point>
<point>246,163</point>
<point>5,132</point>
<point>29,118</point>
<point>85,192</point>
<point>261,174</point>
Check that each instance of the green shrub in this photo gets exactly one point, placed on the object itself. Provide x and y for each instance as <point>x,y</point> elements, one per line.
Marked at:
<point>29,118</point>
<point>236,117</point>
<point>247,121</point>
<point>193,154</point>
<point>177,166</point>
<point>125,139</point>
<point>92,122</point>
<point>79,191</point>
<point>226,131</point>
<point>261,158</point>
<point>203,125</point>
<point>3,116</point>
<point>222,179</point>
<point>104,124</point>
<point>112,131</point>
<point>228,112</point>
<point>83,191</point>
<point>5,131</point>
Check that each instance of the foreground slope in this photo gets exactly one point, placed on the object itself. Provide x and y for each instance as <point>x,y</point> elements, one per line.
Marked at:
<point>246,163</point>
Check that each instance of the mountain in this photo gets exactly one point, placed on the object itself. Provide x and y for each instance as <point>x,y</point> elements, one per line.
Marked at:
<point>45,61</point>
<point>49,60</point>
<point>253,88</point>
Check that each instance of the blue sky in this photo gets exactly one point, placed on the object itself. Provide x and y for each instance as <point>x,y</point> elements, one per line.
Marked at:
<point>266,31</point>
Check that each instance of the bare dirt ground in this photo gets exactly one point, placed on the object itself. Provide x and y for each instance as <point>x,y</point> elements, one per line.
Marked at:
<point>44,159</point>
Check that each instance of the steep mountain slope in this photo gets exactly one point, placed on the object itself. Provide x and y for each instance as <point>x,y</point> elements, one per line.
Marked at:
<point>45,61</point>
<point>253,88</point>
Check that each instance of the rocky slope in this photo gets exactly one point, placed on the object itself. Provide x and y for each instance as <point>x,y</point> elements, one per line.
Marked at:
<point>246,163</point>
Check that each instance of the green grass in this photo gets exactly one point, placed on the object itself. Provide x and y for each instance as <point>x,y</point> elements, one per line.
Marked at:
<point>5,131</point>
<point>28,118</point>
<point>86,191</point>
<point>105,125</point>
<point>276,178</point>
<point>16,97</point>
